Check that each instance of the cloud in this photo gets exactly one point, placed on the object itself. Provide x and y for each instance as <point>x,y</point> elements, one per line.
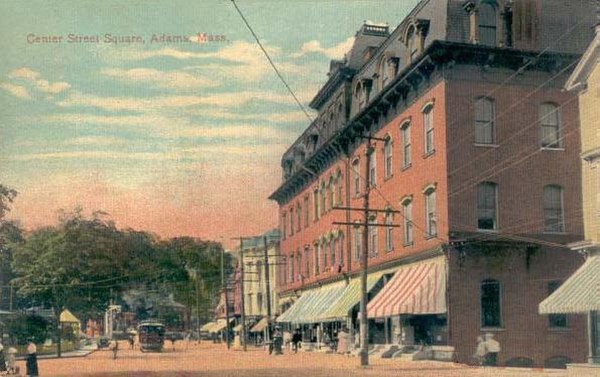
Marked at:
<point>32,79</point>
<point>228,99</point>
<point>16,90</point>
<point>172,79</point>
<point>24,73</point>
<point>336,52</point>
<point>284,117</point>
<point>94,141</point>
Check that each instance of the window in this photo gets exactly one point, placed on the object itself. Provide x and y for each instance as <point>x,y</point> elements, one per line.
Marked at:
<point>325,251</point>
<point>259,272</point>
<point>306,262</point>
<point>331,190</point>
<point>387,153</point>
<point>283,271</point>
<point>315,204</point>
<point>357,244</point>
<point>306,211</point>
<point>431,223</point>
<point>408,224</point>
<point>340,249</point>
<point>487,199</point>
<point>550,126</point>
<point>485,127</point>
<point>340,200</point>
<point>292,220</point>
<point>317,258</point>
<point>556,320</point>
<point>283,225</point>
<point>373,240</point>
<point>259,301</point>
<point>406,153</point>
<point>299,264</point>
<point>292,262</point>
<point>332,249</point>
<point>553,209</point>
<point>372,168</point>
<point>428,127</point>
<point>490,304</point>
<point>389,232</point>
<point>487,24</point>
<point>298,217</point>
<point>411,43</point>
<point>356,172</point>
<point>323,199</point>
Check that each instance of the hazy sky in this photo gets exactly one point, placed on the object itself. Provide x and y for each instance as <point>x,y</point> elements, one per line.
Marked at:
<point>170,137</point>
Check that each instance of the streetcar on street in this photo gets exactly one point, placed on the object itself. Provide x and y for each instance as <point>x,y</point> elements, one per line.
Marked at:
<point>151,335</point>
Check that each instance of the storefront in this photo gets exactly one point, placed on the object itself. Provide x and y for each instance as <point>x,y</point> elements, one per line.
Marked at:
<point>411,308</point>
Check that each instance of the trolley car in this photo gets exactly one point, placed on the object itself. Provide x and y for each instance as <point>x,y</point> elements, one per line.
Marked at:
<point>151,335</point>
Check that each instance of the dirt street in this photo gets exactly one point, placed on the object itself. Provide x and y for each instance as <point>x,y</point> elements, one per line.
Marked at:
<point>209,359</point>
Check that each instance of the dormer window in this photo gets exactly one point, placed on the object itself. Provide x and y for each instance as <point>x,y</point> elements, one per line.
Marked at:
<point>387,70</point>
<point>363,91</point>
<point>411,43</point>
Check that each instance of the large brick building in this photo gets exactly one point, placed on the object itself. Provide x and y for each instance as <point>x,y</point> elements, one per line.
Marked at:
<point>474,165</point>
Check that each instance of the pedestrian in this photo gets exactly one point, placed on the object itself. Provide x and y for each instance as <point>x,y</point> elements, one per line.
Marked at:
<point>131,341</point>
<point>31,363</point>
<point>492,347</point>
<point>115,348</point>
<point>11,361</point>
<point>480,351</point>
<point>2,359</point>
<point>296,339</point>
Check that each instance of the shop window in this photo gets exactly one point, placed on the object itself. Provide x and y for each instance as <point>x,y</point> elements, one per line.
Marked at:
<point>490,304</point>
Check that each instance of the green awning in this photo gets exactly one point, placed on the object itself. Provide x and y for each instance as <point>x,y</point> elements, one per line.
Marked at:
<point>312,304</point>
<point>340,309</point>
<point>578,294</point>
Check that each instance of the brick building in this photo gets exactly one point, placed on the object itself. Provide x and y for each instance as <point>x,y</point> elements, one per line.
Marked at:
<point>474,167</point>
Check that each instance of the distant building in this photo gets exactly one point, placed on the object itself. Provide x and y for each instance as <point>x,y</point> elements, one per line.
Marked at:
<point>474,182</point>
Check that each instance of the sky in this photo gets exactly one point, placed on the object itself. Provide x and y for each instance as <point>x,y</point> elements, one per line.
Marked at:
<point>175,138</point>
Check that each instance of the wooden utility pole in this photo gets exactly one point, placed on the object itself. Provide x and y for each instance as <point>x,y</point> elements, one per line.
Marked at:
<point>267,288</point>
<point>364,325</point>
<point>226,293</point>
<point>243,334</point>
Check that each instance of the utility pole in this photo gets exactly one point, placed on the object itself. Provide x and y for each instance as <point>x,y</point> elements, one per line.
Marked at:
<point>267,288</point>
<point>243,335</point>
<point>226,293</point>
<point>364,325</point>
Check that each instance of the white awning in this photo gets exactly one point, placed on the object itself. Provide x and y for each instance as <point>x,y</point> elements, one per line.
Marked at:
<point>578,294</point>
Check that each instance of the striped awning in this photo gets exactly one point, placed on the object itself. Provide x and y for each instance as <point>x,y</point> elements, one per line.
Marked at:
<point>417,288</point>
<point>312,304</point>
<point>207,326</point>
<point>260,326</point>
<point>219,325</point>
<point>578,294</point>
<point>340,309</point>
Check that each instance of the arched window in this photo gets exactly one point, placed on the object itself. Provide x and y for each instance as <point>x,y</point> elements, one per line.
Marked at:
<point>357,242</point>
<point>373,237</point>
<point>411,43</point>
<point>389,232</point>
<point>298,217</point>
<point>407,220</point>
<point>356,176</point>
<point>491,309</point>
<point>323,199</point>
<point>430,213</point>
<point>316,204</point>
<point>325,254</point>
<point>307,261</point>
<point>360,95</point>
<point>317,258</point>
<point>340,198</point>
<point>284,225</point>
<point>487,204</point>
<point>428,129</point>
<point>292,262</point>
<point>387,155</point>
<point>554,220</point>
<point>372,167</point>
<point>306,209</point>
<point>332,248</point>
<point>292,220</point>
<point>487,23</point>
<point>406,144</point>
<point>550,126</point>
<point>299,265</point>
<point>283,271</point>
<point>331,190</point>
<point>485,123</point>
<point>340,251</point>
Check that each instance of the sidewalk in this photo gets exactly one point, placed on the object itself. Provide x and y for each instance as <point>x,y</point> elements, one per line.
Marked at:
<point>77,353</point>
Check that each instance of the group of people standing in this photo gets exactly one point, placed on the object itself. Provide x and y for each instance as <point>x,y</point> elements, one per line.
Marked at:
<point>8,363</point>
<point>487,350</point>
